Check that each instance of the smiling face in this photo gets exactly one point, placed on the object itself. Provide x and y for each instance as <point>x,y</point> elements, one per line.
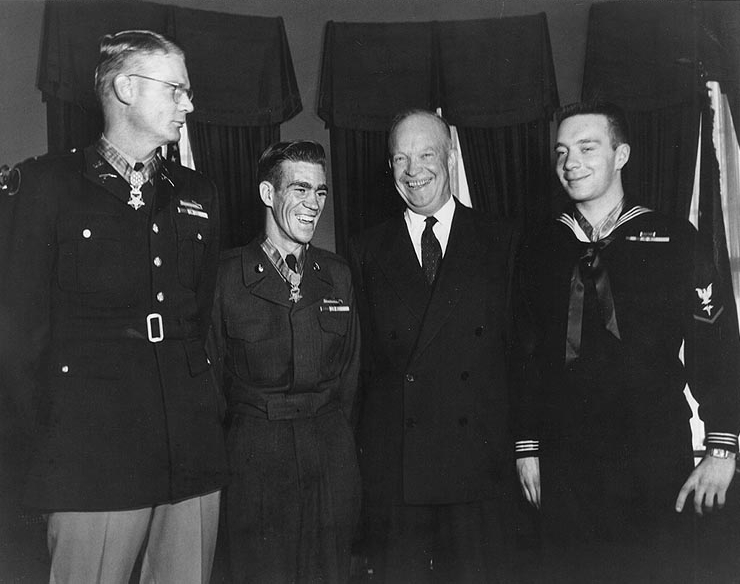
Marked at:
<point>588,164</point>
<point>154,117</point>
<point>421,160</point>
<point>294,207</point>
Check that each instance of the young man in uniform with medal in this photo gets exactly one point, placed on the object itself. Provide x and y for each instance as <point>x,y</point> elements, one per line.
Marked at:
<point>288,336</point>
<point>110,282</point>
<point>606,295</point>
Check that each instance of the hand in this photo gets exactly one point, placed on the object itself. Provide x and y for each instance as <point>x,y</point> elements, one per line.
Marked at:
<point>529,477</point>
<point>708,480</point>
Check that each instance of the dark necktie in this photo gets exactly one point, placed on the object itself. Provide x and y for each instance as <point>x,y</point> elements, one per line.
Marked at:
<point>431,251</point>
<point>292,262</point>
<point>590,266</point>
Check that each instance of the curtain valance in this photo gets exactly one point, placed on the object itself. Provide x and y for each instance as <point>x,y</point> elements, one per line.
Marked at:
<point>240,67</point>
<point>483,73</point>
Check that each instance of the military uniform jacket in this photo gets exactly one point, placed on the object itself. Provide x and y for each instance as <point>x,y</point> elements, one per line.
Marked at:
<point>433,412</point>
<point>273,348</point>
<point>112,306</point>
<point>624,395</point>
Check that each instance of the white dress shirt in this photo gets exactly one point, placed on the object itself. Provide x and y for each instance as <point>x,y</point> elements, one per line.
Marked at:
<point>415,223</point>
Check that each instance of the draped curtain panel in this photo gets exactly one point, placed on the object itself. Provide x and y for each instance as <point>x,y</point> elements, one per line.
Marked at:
<point>494,79</point>
<point>240,69</point>
<point>228,155</point>
<point>643,56</point>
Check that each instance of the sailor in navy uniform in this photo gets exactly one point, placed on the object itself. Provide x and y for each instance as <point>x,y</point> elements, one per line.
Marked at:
<point>110,281</point>
<point>606,296</point>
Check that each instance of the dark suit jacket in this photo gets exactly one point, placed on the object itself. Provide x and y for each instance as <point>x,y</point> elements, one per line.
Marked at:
<point>124,422</point>
<point>433,412</point>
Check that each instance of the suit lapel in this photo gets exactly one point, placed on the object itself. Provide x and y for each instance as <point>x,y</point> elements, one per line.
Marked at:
<point>461,261</point>
<point>397,260</point>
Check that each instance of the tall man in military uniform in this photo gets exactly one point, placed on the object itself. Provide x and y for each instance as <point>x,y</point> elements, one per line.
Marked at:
<point>606,296</point>
<point>110,282</point>
<point>435,450</point>
<point>287,328</point>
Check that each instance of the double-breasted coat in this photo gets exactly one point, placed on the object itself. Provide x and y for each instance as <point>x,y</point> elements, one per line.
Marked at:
<point>434,393</point>
<point>110,307</point>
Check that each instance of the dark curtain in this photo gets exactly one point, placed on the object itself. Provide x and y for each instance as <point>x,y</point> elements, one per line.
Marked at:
<point>367,196</point>
<point>493,79</point>
<point>643,56</point>
<point>662,164</point>
<point>240,69</point>
<point>228,155</point>
<point>70,125</point>
<point>509,171</point>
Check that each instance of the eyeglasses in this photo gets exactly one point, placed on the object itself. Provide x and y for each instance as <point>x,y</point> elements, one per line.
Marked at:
<point>178,89</point>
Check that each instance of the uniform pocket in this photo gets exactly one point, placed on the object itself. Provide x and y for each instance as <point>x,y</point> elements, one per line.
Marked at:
<point>259,352</point>
<point>333,333</point>
<point>191,247</point>
<point>92,254</point>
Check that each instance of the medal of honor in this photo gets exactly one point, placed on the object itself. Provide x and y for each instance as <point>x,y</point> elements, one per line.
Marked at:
<point>295,292</point>
<point>136,182</point>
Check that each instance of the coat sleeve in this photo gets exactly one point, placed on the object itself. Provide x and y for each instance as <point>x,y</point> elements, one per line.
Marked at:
<point>712,347</point>
<point>527,338</point>
<point>25,292</point>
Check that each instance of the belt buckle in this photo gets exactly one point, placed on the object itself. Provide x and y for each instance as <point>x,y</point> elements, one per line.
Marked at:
<point>154,337</point>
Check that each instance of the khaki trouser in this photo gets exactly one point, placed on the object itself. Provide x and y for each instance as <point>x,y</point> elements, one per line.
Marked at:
<point>102,547</point>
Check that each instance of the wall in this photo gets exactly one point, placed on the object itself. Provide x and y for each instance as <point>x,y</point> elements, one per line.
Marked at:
<point>22,115</point>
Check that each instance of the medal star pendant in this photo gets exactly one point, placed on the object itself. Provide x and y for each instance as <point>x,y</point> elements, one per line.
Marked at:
<point>135,198</point>
<point>295,293</point>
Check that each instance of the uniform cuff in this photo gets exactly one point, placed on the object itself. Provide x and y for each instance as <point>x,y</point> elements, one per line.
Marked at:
<point>524,448</point>
<point>724,440</point>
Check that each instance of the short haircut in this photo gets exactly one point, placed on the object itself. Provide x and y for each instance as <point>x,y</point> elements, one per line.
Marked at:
<point>404,115</point>
<point>118,51</point>
<point>270,165</point>
<point>615,117</point>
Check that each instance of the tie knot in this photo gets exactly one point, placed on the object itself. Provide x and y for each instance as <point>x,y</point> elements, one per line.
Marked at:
<point>138,166</point>
<point>430,221</point>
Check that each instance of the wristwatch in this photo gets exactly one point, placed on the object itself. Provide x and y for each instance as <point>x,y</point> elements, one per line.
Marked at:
<point>720,453</point>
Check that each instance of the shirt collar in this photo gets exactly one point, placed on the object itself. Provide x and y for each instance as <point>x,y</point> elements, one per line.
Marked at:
<point>604,227</point>
<point>123,164</point>
<point>443,216</point>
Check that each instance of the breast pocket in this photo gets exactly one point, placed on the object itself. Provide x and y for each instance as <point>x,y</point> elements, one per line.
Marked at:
<point>96,254</point>
<point>191,247</point>
<point>259,352</point>
<point>334,327</point>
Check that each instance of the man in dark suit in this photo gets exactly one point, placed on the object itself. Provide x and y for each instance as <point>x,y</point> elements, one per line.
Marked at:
<point>435,452</point>
<point>287,328</point>
<point>109,289</point>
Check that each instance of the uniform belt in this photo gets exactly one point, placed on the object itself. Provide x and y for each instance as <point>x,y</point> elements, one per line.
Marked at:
<point>289,407</point>
<point>153,327</point>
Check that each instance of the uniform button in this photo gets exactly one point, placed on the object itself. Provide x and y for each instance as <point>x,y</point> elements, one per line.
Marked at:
<point>160,296</point>
<point>158,261</point>
<point>86,233</point>
<point>463,421</point>
<point>410,422</point>
<point>65,368</point>
<point>199,237</point>
<point>464,375</point>
<point>155,228</point>
<point>479,331</point>
<point>409,378</point>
